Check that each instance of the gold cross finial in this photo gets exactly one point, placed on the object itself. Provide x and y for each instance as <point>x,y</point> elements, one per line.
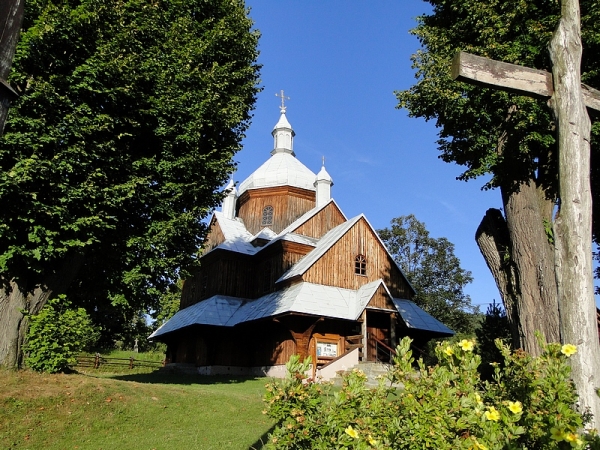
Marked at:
<point>283,99</point>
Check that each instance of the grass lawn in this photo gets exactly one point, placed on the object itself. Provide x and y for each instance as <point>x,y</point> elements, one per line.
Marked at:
<point>130,411</point>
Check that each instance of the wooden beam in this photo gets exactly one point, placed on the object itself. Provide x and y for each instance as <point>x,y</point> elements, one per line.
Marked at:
<point>512,78</point>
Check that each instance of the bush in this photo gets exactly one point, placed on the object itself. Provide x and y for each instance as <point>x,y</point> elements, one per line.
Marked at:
<point>56,335</point>
<point>527,405</point>
<point>494,326</point>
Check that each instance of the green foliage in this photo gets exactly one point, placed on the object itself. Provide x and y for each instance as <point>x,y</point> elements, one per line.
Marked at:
<point>528,405</point>
<point>129,114</point>
<point>169,304</point>
<point>57,334</point>
<point>508,137</point>
<point>494,326</point>
<point>433,270</point>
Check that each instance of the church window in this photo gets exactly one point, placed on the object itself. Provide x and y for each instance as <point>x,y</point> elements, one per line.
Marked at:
<point>360,265</point>
<point>267,216</point>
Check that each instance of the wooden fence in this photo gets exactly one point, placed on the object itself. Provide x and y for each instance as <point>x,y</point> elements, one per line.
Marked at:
<point>96,361</point>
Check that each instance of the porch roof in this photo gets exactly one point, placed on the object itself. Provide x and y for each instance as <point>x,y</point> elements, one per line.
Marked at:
<point>302,298</point>
<point>417,319</point>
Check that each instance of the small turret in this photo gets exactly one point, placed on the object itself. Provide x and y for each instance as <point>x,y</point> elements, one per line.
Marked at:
<point>283,134</point>
<point>228,206</point>
<point>323,185</point>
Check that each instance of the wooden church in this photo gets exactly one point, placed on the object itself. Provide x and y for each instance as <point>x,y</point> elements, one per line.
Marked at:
<point>284,271</point>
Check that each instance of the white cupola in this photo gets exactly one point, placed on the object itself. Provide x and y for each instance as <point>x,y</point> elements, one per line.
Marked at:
<point>283,134</point>
<point>323,185</point>
<point>228,206</point>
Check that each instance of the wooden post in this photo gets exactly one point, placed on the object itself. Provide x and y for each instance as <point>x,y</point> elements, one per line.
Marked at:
<point>573,224</point>
<point>365,341</point>
<point>97,361</point>
<point>393,323</point>
<point>131,362</point>
<point>572,227</point>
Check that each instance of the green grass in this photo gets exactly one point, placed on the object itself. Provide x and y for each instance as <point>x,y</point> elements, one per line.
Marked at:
<point>130,411</point>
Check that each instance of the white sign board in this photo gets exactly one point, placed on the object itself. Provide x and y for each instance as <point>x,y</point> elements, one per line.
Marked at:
<point>327,350</point>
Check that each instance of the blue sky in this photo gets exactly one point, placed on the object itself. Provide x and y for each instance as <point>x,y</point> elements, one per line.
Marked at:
<point>340,63</point>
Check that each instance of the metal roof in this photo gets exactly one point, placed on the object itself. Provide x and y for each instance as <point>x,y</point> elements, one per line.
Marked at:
<point>216,310</point>
<point>281,169</point>
<point>302,298</point>
<point>324,244</point>
<point>416,318</point>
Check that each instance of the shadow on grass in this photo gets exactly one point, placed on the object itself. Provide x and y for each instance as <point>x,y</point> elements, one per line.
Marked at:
<point>261,441</point>
<point>160,377</point>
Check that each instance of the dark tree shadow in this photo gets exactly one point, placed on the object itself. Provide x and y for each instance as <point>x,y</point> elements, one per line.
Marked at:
<point>262,440</point>
<point>162,377</point>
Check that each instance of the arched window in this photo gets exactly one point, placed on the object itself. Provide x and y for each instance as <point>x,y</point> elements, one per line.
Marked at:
<point>267,216</point>
<point>360,265</point>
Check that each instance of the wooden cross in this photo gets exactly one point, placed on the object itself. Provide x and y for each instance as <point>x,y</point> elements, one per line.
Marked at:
<point>283,99</point>
<point>573,223</point>
<point>512,78</point>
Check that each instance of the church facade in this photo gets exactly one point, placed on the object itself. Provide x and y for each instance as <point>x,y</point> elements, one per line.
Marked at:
<point>283,271</point>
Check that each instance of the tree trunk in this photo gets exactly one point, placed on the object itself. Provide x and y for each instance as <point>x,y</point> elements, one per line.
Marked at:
<point>14,299</point>
<point>519,254</point>
<point>532,254</point>
<point>494,244</point>
<point>573,226</point>
<point>14,324</point>
<point>11,17</point>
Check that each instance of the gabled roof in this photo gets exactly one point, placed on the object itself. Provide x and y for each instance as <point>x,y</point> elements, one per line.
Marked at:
<point>301,298</point>
<point>309,215</point>
<point>417,319</point>
<point>324,244</point>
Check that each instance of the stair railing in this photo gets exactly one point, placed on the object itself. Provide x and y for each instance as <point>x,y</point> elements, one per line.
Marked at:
<point>383,352</point>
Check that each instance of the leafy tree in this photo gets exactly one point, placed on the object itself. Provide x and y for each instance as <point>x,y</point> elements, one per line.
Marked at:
<point>507,137</point>
<point>57,334</point>
<point>434,271</point>
<point>494,326</point>
<point>169,304</point>
<point>129,114</point>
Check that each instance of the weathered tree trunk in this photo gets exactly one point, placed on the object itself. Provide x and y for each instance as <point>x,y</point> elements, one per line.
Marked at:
<point>494,244</point>
<point>13,324</point>
<point>532,255</point>
<point>573,226</point>
<point>519,254</point>
<point>14,299</point>
<point>11,17</point>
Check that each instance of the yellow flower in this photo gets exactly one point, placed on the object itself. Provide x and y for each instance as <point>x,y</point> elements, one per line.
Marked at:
<point>351,432</point>
<point>480,446</point>
<point>372,441</point>
<point>478,398</point>
<point>449,351</point>
<point>573,439</point>
<point>515,407</point>
<point>557,434</point>
<point>492,414</point>
<point>467,345</point>
<point>568,350</point>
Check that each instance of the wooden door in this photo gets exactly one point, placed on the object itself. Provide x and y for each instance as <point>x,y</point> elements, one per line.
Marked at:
<point>378,328</point>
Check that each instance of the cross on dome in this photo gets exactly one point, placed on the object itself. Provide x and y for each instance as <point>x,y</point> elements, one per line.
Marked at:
<point>283,99</point>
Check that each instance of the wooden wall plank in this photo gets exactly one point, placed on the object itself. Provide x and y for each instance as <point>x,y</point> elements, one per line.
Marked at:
<point>336,266</point>
<point>288,204</point>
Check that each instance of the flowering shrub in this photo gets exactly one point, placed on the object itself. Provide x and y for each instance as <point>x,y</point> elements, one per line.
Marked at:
<point>527,406</point>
